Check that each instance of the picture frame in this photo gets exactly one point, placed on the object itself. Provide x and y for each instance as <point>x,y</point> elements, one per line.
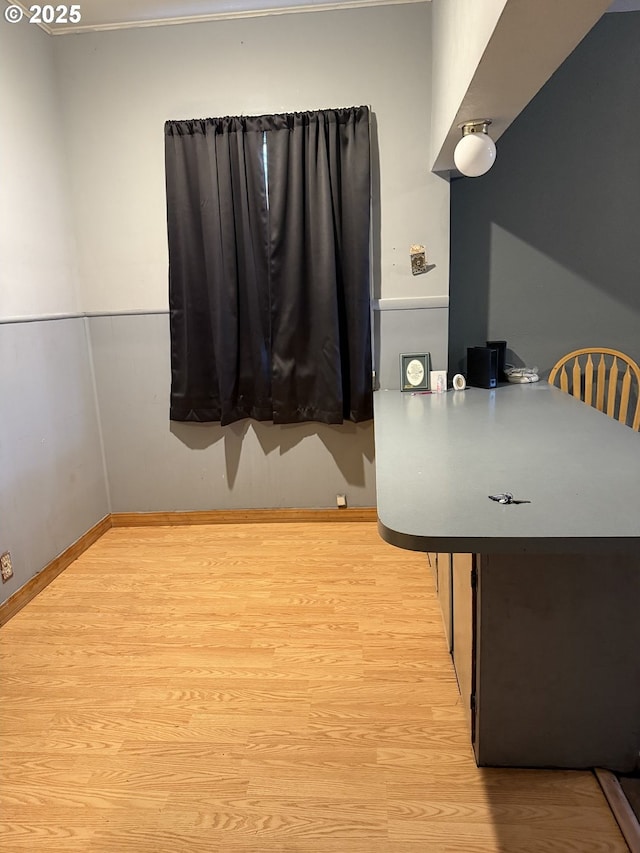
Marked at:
<point>414,371</point>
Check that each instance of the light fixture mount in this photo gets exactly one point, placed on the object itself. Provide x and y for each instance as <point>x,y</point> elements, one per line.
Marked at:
<point>477,125</point>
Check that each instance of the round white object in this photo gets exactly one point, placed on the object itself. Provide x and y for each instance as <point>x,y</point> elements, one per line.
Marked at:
<point>459,382</point>
<point>475,154</point>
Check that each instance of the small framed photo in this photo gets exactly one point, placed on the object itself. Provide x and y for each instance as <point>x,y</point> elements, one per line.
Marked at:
<point>414,371</point>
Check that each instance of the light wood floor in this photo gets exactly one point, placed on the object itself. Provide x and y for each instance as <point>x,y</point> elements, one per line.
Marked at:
<point>268,688</point>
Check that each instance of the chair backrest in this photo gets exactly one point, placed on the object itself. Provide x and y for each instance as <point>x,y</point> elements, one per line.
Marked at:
<point>611,385</point>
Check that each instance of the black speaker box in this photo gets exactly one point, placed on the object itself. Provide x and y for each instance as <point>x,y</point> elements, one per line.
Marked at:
<point>482,367</point>
<point>501,346</point>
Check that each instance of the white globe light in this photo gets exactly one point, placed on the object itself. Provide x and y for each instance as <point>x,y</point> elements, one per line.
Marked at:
<point>474,154</point>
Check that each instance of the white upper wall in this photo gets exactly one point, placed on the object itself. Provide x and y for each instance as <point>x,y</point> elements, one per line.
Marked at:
<point>85,149</point>
<point>38,272</point>
<point>119,87</point>
<point>461,32</point>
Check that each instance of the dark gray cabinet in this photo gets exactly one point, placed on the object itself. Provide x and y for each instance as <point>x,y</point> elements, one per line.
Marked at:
<point>554,657</point>
<point>545,650</point>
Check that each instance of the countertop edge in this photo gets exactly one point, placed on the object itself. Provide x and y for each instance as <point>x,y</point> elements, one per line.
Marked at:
<point>509,545</point>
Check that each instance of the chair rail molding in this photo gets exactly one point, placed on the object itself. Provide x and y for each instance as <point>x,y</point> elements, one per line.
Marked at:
<point>409,303</point>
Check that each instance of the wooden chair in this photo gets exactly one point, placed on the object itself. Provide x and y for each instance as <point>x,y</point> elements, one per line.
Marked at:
<point>602,385</point>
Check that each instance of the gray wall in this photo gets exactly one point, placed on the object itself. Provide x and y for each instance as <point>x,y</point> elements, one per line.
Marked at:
<point>404,331</point>
<point>83,229</point>
<point>52,481</point>
<point>154,464</point>
<point>545,248</point>
<point>117,89</point>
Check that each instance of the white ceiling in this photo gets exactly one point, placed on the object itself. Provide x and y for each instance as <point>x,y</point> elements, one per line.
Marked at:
<point>121,14</point>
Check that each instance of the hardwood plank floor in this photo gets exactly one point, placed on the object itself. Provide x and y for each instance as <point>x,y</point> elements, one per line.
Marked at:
<point>267,688</point>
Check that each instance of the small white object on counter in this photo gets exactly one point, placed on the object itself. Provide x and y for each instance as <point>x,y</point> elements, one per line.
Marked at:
<point>438,381</point>
<point>521,375</point>
<point>459,382</point>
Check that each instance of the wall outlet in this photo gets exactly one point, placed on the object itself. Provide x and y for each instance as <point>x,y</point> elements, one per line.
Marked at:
<point>341,500</point>
<point>5,566</point>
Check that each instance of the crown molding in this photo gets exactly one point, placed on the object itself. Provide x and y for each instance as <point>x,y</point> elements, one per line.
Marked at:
<point>301,6</point>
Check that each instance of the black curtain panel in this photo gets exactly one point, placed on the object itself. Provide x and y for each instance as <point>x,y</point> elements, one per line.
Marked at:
<point>218,271</point>
<point>268,225</point>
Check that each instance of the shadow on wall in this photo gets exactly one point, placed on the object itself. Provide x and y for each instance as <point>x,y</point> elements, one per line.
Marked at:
<point>350,445</point>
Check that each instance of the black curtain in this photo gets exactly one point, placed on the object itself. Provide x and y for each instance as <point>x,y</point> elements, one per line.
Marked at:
<point>269,278</point>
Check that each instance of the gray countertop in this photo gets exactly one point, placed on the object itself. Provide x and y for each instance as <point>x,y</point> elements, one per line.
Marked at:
<point>439,456</point>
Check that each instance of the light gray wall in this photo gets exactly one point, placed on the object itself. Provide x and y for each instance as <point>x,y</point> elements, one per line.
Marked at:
<point>38,273</point>
<point>52,480</point>
<point>409,330</point>
<point>119,87</point>
<point>154,464</point>
<point>545,248</point>
<point>83,229</point>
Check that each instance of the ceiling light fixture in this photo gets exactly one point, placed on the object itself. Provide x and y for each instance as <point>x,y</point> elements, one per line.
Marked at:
<point>475,153</point>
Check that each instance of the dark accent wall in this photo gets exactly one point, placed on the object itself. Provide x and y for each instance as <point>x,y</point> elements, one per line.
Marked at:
<point>545,248</point>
